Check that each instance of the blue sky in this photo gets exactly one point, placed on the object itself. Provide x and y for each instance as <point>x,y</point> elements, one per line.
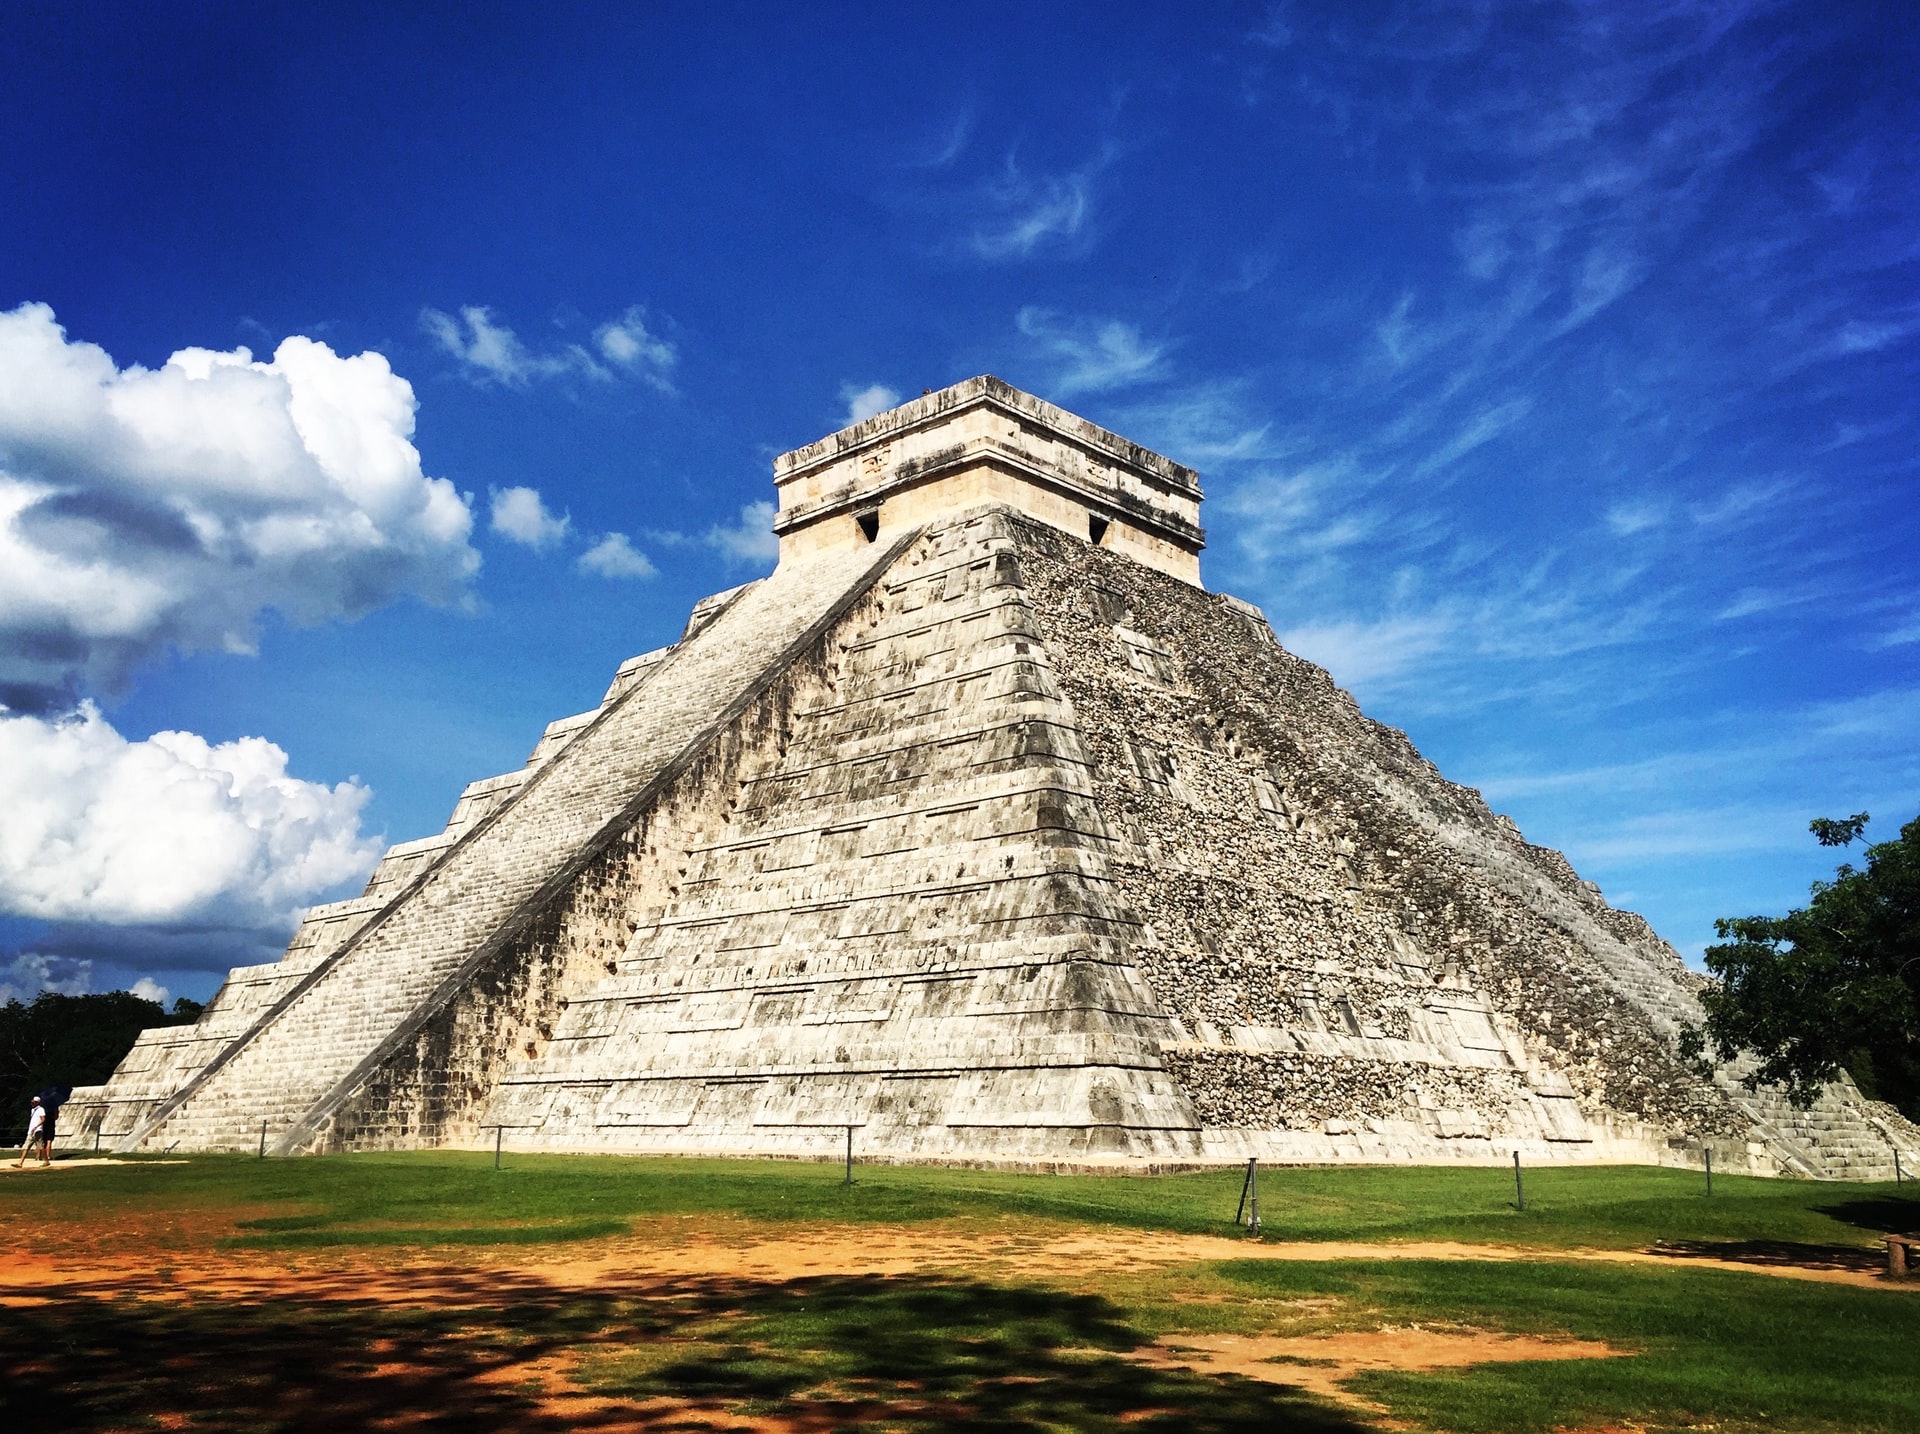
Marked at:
<point>1551,369</point>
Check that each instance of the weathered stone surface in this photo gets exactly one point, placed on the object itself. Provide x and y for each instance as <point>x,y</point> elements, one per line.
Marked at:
<point>992,841</point>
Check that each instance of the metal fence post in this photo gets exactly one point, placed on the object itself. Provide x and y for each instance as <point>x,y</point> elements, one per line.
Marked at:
<point>1709,1170</point>
<point>1897,1176</point>
<point>1253,1205</point>
<point>849,1179</point>
<point>1519,1190</point>
<point>497,1130</point>
<point>263,1140</point>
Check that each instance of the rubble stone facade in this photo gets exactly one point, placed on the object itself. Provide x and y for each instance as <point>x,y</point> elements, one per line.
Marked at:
<point>981,828</point>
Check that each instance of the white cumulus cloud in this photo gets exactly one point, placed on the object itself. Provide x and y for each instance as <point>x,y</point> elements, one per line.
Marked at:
<point>168,831</point>
<point>142,510</point>
<point>615,556</point>
<point>863,403</point>
<point>749,540</point>
<point>520,515</point>
<point>626,343</point>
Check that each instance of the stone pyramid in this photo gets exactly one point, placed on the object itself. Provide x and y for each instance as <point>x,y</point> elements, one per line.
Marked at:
<point>981,828</point>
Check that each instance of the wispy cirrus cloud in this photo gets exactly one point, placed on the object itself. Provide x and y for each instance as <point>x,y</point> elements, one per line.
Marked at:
<point>1898,635</point>
<point>1580,373</point>
<point>489,352</point>
<point>746,542</point>
<point>1724,788</point>
<point>1205,423</point>
<point>944,146</point>
<point>1028,213</point>
<point>1090,355</point>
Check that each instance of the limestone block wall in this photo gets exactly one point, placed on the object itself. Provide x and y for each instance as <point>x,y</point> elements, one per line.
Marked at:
<point>874,906</point>
<point>979,442</point>
<point>433,1087</point>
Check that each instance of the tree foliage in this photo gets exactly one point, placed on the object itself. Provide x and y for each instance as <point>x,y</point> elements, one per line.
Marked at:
<point>1833,986</point>
<point>70,1040</point>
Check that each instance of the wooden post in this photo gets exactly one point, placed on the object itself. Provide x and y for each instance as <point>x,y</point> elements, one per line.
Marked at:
<point>263,1140</point>
<point>1709,1171</point>
<point>1519,1190</point>
<point>849,1179</point>
<point>496,1145</point>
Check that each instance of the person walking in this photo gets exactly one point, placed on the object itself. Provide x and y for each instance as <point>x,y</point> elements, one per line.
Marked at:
<point>36,1124</point>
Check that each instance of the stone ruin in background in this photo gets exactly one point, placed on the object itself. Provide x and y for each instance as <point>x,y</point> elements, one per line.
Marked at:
<point>980,827</point>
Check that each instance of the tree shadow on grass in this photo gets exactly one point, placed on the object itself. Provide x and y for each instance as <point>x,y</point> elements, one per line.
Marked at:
<point>1787,1253</point>
<point>916,1353</point>
<point>465,1350</point>
<point>1883,1214</point>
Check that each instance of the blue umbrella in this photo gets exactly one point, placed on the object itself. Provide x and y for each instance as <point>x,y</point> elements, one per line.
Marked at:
<point>53,1097</point>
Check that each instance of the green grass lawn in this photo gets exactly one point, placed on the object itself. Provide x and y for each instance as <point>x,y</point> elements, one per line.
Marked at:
<point>458,1197</point>
<point>1705,1347</point>
<point>1712,1349</point>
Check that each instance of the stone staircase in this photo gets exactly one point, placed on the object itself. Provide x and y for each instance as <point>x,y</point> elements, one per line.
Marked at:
<point>322,1027</point>
<point>165,1058</point>
<point>1843,1137</point>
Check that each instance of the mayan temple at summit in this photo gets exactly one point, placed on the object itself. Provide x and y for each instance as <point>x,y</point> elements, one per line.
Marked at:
<point>981,827</point>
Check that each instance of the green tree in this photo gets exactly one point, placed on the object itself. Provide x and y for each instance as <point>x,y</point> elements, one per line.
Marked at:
<point>70,1040</point>
<point>1833,986</point>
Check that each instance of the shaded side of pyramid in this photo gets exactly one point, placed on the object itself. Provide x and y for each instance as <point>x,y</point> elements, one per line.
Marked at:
<point>1360,960</point>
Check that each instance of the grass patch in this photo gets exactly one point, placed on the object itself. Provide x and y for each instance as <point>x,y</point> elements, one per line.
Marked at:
<point>1713,1349</point>
<point>447,1196</point>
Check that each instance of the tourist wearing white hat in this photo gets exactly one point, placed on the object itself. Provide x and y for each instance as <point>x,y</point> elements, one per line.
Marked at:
<point>36,1127</point>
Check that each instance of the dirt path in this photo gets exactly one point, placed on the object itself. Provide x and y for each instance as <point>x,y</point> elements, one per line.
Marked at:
<point>881,1251</point>
<point>70,1162</point>
<point>666,1248</point>
<point>1323,1363</point>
